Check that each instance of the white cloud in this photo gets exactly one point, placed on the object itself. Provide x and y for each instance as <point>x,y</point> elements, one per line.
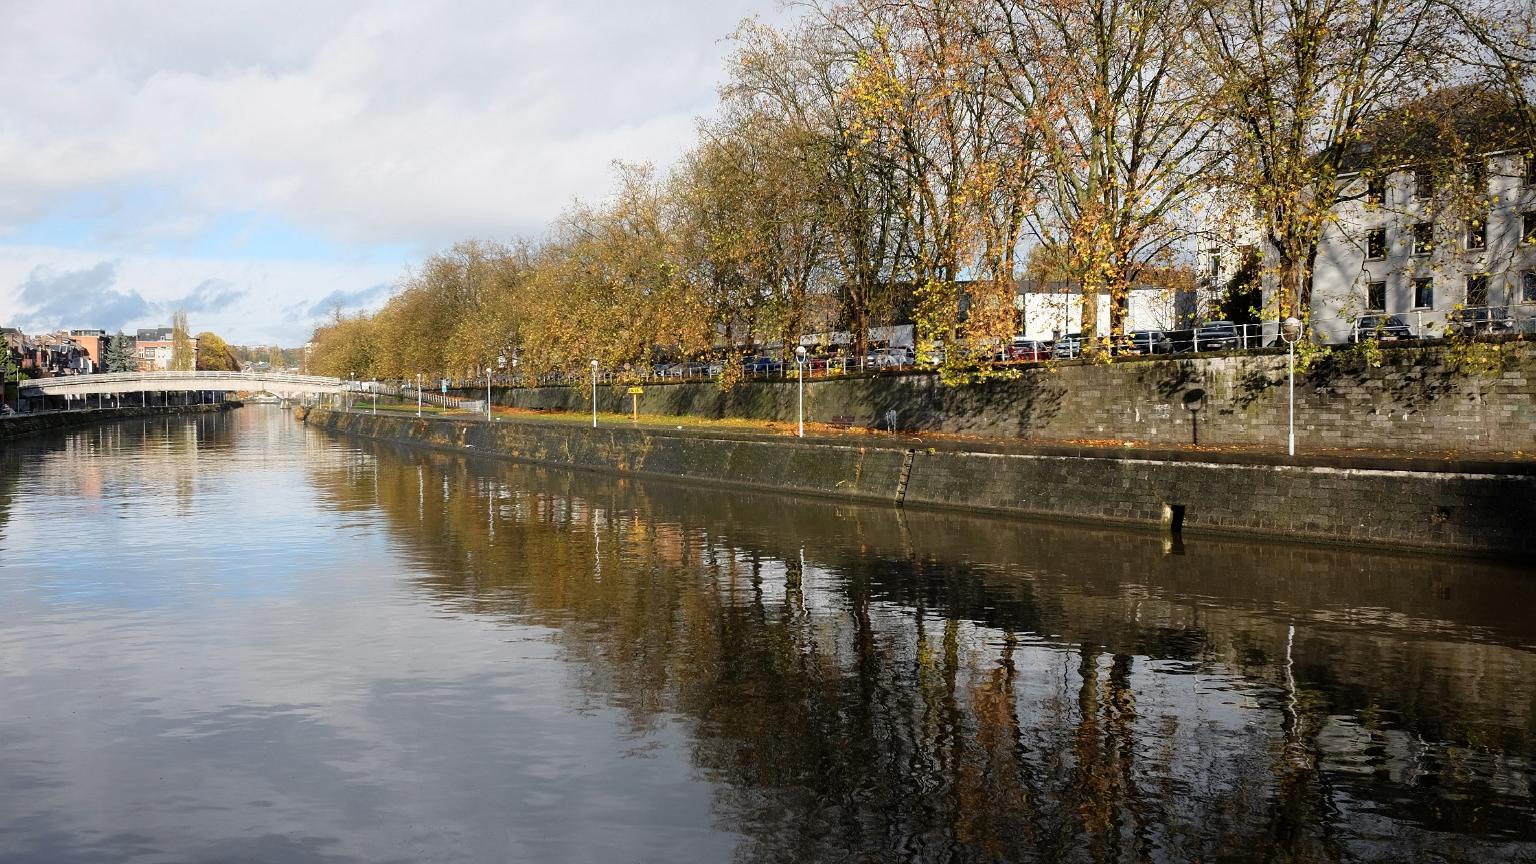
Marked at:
<point>254,302</point>
<point>403,122</point>
<point>407,123</point>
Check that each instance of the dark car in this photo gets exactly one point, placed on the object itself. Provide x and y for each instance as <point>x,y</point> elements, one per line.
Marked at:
<point>1180,341</point>
<point>759,365</point>
<point>1386,328</point>
<point>1068,347</point>
<point>1479,320</point>
<point>1217,336</point>
<point>1144,342</point>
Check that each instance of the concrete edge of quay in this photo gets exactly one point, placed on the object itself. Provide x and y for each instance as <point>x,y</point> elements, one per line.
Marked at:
<point>23,425</point>
<point>1476,512</point>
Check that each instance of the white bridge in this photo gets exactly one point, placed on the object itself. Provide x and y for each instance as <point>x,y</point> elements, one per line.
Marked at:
<point>284,386</point>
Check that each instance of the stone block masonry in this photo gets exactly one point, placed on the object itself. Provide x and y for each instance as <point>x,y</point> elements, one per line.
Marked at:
<point>1479,511</point>
<point>1415,400</point>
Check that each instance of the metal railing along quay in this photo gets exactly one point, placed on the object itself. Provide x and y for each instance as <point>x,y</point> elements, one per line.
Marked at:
<point>1424,326</point>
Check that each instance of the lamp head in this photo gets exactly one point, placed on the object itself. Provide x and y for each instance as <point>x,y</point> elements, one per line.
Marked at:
<point>1290,329</point>
<point>800,352</point>
<point>594,365</point>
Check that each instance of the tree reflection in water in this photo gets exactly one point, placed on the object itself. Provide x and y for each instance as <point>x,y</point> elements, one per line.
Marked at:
<point>864,684</point>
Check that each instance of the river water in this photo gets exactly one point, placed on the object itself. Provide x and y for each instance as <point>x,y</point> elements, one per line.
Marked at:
<point>233,638</point>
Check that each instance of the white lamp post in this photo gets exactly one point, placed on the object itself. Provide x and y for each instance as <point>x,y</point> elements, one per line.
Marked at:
<point>800,374</point>
<point>1290,331</point>
<point>594,394</point>
<point>418,394</point>
<point>374,386</point>
<point>487,392</point>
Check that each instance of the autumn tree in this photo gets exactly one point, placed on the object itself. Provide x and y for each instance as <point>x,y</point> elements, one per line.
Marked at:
<point>183,348</point>
<point>924,84</point>
<point>1126,134</point>
<point>750,225</point>
<point>347,347</point>
<point>806,75</point>
<point>214,354</point>
<point>1298,81</point>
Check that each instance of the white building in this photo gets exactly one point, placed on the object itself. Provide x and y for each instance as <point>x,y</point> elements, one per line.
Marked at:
<point>1422,241</point>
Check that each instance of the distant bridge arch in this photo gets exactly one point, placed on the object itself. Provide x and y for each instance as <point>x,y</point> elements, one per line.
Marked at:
<point>73,388</point>
<point>278,384</point>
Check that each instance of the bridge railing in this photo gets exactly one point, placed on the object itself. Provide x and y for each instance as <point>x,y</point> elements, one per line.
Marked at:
<point>407,392</point>
<point>142,378</point>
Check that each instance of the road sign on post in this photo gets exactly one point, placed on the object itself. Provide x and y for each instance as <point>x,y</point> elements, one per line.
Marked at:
<point>634,402</point>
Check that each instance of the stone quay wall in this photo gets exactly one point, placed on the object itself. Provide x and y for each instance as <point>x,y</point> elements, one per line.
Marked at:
<point>1416,399</point>
<point>21,425</point>
<point>1475,511</point>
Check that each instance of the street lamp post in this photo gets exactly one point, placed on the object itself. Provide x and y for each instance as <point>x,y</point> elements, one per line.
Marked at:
<point>594,394</point>
<point>1290,331</point>
<point>418,394</point>
<point>374,386</point>
<point>800,374</point>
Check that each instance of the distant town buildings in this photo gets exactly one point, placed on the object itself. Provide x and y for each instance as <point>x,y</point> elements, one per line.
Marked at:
<point>155,347</point>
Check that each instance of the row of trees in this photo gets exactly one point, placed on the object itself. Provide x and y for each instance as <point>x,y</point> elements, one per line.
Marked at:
<point>912,159</point>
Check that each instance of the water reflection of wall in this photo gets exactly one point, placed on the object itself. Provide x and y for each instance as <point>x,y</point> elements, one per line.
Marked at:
<point>168,453</point>
<point>870,684</point>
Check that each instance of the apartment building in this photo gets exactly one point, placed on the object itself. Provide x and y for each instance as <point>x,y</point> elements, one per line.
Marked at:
<point>154,347</point>
<point>1423,241</point>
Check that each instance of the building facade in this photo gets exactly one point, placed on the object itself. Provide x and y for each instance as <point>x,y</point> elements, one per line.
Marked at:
<point>155,348</point>
<point>1430,245</point>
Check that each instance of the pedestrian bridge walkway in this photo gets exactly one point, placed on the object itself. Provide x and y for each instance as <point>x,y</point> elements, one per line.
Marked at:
<point>281,385</point>
<point>278,384</point>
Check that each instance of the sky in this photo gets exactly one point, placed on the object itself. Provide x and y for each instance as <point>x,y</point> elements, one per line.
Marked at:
<point>260,164</point>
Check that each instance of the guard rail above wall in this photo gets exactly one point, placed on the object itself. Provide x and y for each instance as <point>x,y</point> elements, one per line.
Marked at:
<point>1414,325</point>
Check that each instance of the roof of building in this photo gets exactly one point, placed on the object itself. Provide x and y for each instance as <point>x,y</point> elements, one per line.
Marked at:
<point>1443,126</point>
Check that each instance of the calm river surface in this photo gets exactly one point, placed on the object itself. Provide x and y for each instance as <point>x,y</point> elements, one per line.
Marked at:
<point>232,638</point>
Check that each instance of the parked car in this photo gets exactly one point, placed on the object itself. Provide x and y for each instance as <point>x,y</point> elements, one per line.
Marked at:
<point>759,365</point>
<point>1477,321</point>
<point>1145,342</point>
<point>888,358</point>
<point>1068,346</point>
<point>1028,349</point>
<point>1217,336</point>
<point>1386,328</point>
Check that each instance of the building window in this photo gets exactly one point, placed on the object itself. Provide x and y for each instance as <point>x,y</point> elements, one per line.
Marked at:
<point>1528,286</point>
<point>1376,297</point>
<point>1423,238</point>
<point>1476,173</point>
<point>1528,227</point>
<point>1423,184</point>
<point>1424,293</point>
<point>1376,244</point>
<point>1376,190</point>
<point>1477,234</point>
<point>1477,291</point>
<point>1530,169</point>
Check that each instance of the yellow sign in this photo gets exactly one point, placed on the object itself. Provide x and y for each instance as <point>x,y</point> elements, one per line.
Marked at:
<point>636,391</point>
